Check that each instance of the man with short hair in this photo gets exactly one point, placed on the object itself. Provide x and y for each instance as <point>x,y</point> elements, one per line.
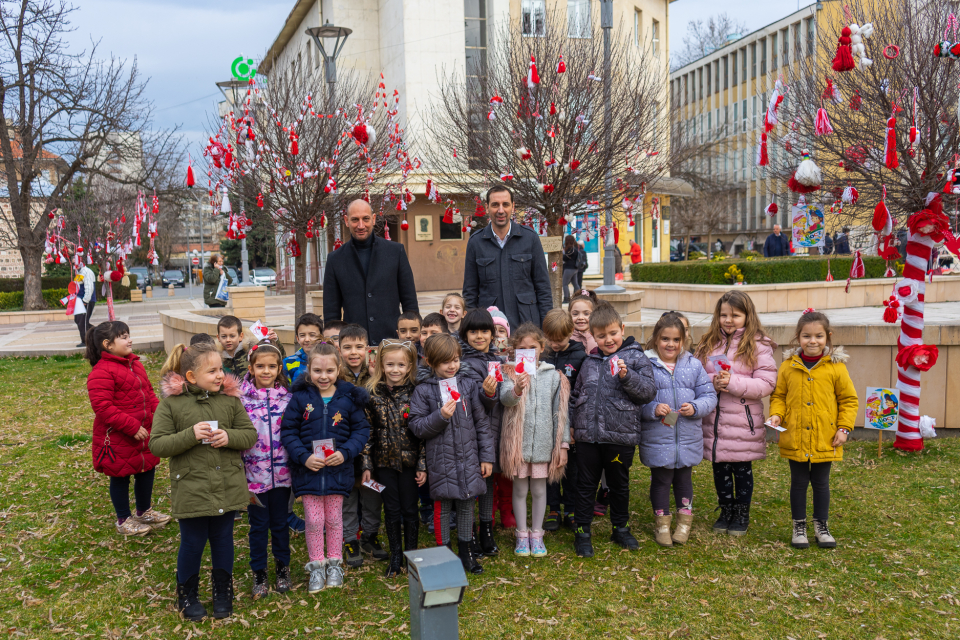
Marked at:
<point>505,266</point>
<point>842,242</point>
<point>368,280</point>
<point>776,245</point>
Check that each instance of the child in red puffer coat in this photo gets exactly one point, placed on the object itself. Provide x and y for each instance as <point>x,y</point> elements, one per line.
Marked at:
<point>123,403</point>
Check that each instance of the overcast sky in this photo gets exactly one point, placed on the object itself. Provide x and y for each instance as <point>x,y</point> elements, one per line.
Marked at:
<point>186,46</point>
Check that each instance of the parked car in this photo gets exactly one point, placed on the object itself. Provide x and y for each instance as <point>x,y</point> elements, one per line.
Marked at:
<point>173,277</point>
<point>143,277</point>
<point>233,274</point>
<point>263,277</point>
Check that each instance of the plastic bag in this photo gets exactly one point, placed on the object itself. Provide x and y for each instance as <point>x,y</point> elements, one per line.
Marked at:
<point>222,293</point>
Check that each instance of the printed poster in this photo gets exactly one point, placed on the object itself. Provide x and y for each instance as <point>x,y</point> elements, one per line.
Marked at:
<point>808,228</point>
<point>882,408</point>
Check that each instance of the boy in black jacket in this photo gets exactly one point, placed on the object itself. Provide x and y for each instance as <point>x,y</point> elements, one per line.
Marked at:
<point>567,357</point>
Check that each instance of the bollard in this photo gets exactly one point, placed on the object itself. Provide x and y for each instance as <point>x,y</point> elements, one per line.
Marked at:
<point>437,582</point>
<point>149,291</point>
<point>171,291</point>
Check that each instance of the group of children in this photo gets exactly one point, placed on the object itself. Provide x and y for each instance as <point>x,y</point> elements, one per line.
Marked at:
<point>461,411</point>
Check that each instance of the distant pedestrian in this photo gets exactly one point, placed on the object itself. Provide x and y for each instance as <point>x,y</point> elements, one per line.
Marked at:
<point>842,242</point>
<point>776,244</point>
<point>635,252</point>
<point>88,294</point>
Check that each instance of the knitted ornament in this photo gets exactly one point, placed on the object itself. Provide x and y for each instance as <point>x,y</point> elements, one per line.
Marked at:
<point>762,158</point>
<point>433,195</point>
<point>561,66</point>
<point>260,200</point>
<point>843,61</point>
<point>507,175</point>
<point>857,48</point>
<point>776,98</point>
<point>337,244</point>
<point>404,225</point>
<point>821,125</point>
<point>331,186</point>
<point>553,109</point>
<point>831,92</point>
<point>523,153</point>
<point>856,101</point>
<point>533,78</point>
<point>922,357</point>
<point>225,203</point>
<point>294,145</point>
<point>448,215</point>
<point>190,179</point>
<point>364,134</point>
<point>571,166</point>
<point>545,188</point>
<point>882,220</point>
<point>807,178</point>
<point>891,311</point>
<point>857,270</point>
<point>850,195</point>
<point>890,145</point>
<point>772,209</point>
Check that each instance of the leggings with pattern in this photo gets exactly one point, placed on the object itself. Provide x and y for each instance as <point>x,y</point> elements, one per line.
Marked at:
<point>324,516</point>
<point>441,520</point>
<point>485,501</point>
<point>734,482</point>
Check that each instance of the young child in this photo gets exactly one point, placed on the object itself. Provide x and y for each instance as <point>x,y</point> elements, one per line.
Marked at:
<point>207,482</point>
<point>324,407</point>
<point>235,347</point>
<point>614,383</point>
<point>816,402</point>
<point>581,306</point>
<point>395,457</point>
<point>331,332</point>
<point>459,444</point>
<point>123,404</point>
<point>408,327</point>
<point>453,309</point>
<point>502,486</point>
<point>265,397</point>
<point>477,354</point>
<point>566,356</point>
<point>688,337</point>
<point>363,506</point>
<point>309,332</point>
<point>433,324</point>
<point>734,435</point>
<point>671,439</point>
<point>536,436</point>
<point>202,338</point>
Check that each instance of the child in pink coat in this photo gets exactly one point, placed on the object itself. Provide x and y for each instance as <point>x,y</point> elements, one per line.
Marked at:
<point>743,373</point>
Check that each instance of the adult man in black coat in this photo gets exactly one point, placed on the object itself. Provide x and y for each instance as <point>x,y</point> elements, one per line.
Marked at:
<point>842,242</point>
<point>776,244</point>
<point>505,266</point>
<point>368,280</point>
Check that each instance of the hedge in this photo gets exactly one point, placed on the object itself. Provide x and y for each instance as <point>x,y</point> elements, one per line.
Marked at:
<point>10,300</point>
<point>15,285</point>
<point>757,271</point>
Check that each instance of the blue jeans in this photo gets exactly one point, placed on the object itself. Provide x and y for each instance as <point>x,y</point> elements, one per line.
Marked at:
<point>270,519</point>
<point>194,533</point>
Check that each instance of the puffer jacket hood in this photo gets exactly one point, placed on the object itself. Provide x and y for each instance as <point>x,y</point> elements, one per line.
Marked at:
<point>392,445</point>
<point>681,445</point>
<point>204,480</point>
<point>735,431</point>
<point>455,447</point>
<point>606,409</point>
<point>813,404</point>
<point>266,462</point>
<point>308,418</point>
<point>535,424</point>
<point>123,401</point>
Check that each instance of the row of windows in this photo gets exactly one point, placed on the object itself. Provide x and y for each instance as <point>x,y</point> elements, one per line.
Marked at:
<point>580,22</point>
<point>723,73</point>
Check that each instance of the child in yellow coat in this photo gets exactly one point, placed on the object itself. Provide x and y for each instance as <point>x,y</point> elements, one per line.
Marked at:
<point>816,402</point>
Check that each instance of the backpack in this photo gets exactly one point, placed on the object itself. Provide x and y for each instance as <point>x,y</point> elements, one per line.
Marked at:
<point>581,260</point>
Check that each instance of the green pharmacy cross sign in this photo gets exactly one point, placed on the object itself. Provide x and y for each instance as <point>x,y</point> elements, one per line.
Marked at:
<point>243,68</point>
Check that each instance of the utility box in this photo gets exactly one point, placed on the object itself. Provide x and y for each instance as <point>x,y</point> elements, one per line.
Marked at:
<point>437,582</point>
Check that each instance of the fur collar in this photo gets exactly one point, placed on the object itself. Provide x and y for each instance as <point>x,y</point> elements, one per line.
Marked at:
<point>511,434</point>
<point>173,384</point>
<point>837,355</point>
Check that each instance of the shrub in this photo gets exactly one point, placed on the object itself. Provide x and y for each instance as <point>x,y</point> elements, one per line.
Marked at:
<point>695,255</point>
<point>11,300</point>
<point>15,285</point>
<point>750,254</point>
<point>757,271</point>
<point>733,274</point>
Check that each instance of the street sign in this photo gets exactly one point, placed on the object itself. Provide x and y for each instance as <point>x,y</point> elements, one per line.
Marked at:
<point>196,261</point>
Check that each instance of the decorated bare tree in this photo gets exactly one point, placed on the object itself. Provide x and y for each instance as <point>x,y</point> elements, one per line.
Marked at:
<point>532,118</point>
<point>881,127</point>
<point>65,115</point>
<point>304,158</point>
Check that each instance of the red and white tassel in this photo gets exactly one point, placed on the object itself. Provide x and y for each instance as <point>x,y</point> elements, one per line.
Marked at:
<point>843,61</point>
<point>772,209</point>
<point>533,78</point>
<point>561,66</point>
<point>763,159</point>
<point>821,125</point>
<point>850,195</point>
<point>890,158</point>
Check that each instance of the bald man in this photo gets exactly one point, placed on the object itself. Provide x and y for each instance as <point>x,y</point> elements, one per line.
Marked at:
<point>368,281</point>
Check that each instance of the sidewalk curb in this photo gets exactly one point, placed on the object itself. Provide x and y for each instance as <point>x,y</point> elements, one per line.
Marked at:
<point>145,347</point>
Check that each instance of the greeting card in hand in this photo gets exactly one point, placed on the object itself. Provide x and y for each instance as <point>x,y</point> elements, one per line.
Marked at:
<point>670,419</point>
<point>325,448</point>
<point>259,331</point>
<point>493,369</point>
<point>376,486</point>
<point>775,426</point>
<point>529,359</point>
<point>614,365</point>
<point>449,391</point>
<point>720,362</point>
<point>371,357</point>
<point>214,427</point>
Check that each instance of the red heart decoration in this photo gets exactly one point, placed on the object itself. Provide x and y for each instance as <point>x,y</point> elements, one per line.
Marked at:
<point>519,367</point>
<point>903,291</point>
<point>725,366</point>
<point>454,394</point>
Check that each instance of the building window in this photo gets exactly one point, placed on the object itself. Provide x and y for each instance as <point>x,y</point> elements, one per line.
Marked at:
<point>708,81</point>
<point>743,164</point>
<point>726,72</point>
<point>475,44</point>
<point>532,15</point>
<point>709,124</point>
<point>733,63</point>
<point>726,120</point>
<point>578,19</point>
<point>743,64</point>
<point>811,37</point>
<point>797,47</point>
<point>753,60</point>
<point>773,52</point>
<point>736,119</point>
<point>452,231</point>
<point>763,57</point>
<point>637,27</point>
<point>743,113</point>
<point>655,37</point>
<point>785,38</point>
<point>753,124</point>
<point>700,96</point>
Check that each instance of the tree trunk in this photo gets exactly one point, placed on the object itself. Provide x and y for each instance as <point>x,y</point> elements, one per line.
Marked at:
<point>709,245</point>
<point>686,252</point>
<point>111,316</point>
<point>556,257</point>
<point>31,253</point>
<point>300,278</point>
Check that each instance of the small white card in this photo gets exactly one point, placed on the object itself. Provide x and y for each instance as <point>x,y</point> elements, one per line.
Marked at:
<point>214,426</point>
<point>614,366</point>
<point>449,390</point>
<point>325,448</point>
<point>670,419</point>
<point>259,331</point>
<point>720,362</point>
<point>376,486</point>
<point>493,369</point>
<point>529,359</point>
<point>777,427</point>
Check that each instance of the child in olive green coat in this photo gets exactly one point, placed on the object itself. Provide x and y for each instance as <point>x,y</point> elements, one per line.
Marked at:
<point>202,426</point>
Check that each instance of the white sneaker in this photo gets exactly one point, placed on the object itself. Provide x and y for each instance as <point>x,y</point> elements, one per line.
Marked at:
<point>132,527</point>
<point>800,540</point>
<point>822,533</point>
<point>318,575</point>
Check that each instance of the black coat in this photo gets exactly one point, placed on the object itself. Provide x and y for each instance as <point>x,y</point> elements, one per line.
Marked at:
<point>776,246</point>
<point>568,362</point>
<point>373,301</point>
<point>474,366</point>
<point>514,279</point>
<point>842,245</point>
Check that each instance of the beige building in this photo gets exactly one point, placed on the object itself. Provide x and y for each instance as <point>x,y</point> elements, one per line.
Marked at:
<point>724,96</point>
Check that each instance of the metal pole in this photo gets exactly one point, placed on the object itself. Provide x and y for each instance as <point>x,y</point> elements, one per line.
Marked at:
<point>609,269</point>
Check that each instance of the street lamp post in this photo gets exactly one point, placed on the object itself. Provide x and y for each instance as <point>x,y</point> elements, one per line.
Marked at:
<point>234,86</point>
<point>609,269</point>
<point>338,35</point>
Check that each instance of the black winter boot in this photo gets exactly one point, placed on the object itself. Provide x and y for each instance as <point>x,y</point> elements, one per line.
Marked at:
<point>222,593</point>
<point>488,545</point>
<point>188,599</point>
<point>396,552</point>
<point>741,520</point>
<point>582,544</point>
<point>411,535</point>
<point>722,525</point>
<point>623,537</point>
<point>465,551</point>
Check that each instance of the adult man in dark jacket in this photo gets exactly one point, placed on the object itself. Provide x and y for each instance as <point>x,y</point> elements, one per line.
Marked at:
<point>368,280</point>
<point>505,266</point>
<point>776,245</point>
<point>842,242</point>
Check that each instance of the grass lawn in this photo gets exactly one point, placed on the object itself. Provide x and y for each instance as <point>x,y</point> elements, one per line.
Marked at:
<point>895,574</point>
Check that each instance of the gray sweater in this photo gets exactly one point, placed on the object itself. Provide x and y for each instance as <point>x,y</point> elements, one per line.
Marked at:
<point>542,404</point>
